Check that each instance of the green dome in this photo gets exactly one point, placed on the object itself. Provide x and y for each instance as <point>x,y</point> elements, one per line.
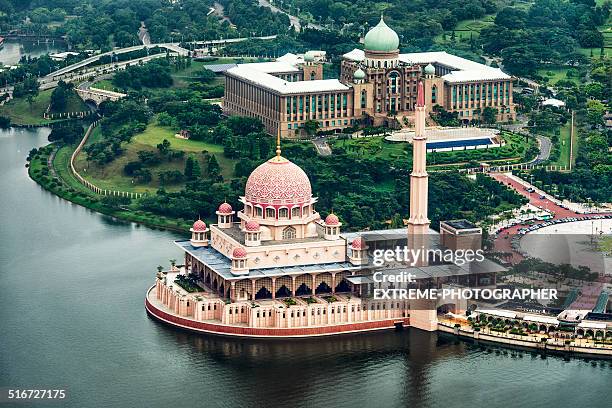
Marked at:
<point>381,38</point>
<point>429,69</point>
<point>309,56</point>
<point>359,74</point>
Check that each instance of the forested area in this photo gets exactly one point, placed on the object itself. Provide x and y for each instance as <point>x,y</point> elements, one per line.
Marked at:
<point>549,32</point>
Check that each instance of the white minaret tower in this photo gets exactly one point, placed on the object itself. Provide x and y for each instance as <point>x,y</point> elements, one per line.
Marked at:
<point>418,223</point>
<point>423,313</point>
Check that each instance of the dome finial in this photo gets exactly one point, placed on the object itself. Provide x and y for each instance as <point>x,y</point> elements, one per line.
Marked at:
<point>278,149</point>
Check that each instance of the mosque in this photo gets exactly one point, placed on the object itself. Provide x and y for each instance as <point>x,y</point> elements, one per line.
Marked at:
<point>277,268</point>
<point>377,87</point>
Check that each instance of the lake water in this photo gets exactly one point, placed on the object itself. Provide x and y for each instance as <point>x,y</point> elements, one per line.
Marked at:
<point>12,51</point>
<point>72,286</point>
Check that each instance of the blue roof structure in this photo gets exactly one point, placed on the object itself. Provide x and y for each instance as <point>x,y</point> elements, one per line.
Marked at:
<point>222,265</point>
<point>459,143</point>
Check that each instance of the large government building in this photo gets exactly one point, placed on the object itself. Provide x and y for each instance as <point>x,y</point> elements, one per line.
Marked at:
<point>377,86</point>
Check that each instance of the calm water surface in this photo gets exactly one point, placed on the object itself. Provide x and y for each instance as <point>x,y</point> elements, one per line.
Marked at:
<point>12,51</point>
<point>72,285</point>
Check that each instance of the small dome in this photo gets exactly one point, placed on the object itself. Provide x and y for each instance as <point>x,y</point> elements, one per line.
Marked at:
<point>359,74</point>
<point>381,38</point>
<point>225,208</point>
<point>199,226</point>
<point>332,219</point>
<point>309,56</point>
<point>239,252</point>
<point>430,69</point>
<point>251,226</point>
<point>358,243</point>
<point>278,181</point>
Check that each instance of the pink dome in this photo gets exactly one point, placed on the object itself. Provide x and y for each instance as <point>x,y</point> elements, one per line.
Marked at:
<point>199,226</point>
<point>358,243</point>
<point>332,219</point>
<point>225,208</point>
<point>278,181</point>
<point>239,252</point>
<point>251,226</point>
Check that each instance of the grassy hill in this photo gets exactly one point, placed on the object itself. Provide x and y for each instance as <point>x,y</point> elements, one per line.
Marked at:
<point>112,176</point>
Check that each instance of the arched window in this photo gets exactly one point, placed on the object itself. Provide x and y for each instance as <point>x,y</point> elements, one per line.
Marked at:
<point>434,96</point>
<point>364,96</point>
<point>259,211</point>
<point>393,82</point>
<point>295,212</point>
<point>283,213</point>
<point>270,213</point>
<point>289,233</point>
<point>312,76</point>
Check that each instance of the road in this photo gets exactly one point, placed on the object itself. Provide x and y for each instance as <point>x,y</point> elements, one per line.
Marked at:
<point>219,11</point>
<point>143,34</point>
<point>322,147</point>
<point>46,83</point>
<point>545,147</point>
<point>294,21</point>
<point>169,46</point>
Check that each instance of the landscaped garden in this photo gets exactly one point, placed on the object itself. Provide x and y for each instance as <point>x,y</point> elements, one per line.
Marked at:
<point>113,176</point>
<point>517,149</point>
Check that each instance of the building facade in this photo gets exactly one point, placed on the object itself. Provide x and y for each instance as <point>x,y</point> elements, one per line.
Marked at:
<point>377,86</point>
<point>277,268</point>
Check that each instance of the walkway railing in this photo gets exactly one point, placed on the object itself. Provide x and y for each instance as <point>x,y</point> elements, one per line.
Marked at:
<point>90,185</point>
<point>509,167</point>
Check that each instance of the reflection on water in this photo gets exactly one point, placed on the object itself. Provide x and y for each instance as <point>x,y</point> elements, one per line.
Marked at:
<point>72,286</point>
<point>12,51</point>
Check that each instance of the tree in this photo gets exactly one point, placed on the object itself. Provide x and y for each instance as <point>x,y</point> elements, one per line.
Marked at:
<point>213,168</point>
<point>489,115</point>
<point>66,133</point>
<point>595,111</point>
<point>192,169</point>
<point>164,147</point>
<point>311,127</point>
<point>58,99</point>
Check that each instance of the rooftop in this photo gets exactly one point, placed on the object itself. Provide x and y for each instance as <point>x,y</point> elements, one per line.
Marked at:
<point>261,76</point>
<point>464,70</point>
<point>460,224</point>
<point>222,265</point>
<point>237,234</point>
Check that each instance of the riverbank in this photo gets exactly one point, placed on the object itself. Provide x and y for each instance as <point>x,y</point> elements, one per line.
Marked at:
<point>543,344</point>
<point>22,113</point>
<point>49,167</point>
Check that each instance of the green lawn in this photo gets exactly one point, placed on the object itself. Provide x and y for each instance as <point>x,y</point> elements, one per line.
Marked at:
<point>374,146</point>
<point>105,84</point>
<point>564,146</point>
<point>555,74</point>
<point>111,175</point>
<point>21,113</point>
<point>465,28</point>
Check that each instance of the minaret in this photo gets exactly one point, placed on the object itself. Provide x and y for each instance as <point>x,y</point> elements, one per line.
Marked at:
<point>423,313</point>
<point>418,223</point>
